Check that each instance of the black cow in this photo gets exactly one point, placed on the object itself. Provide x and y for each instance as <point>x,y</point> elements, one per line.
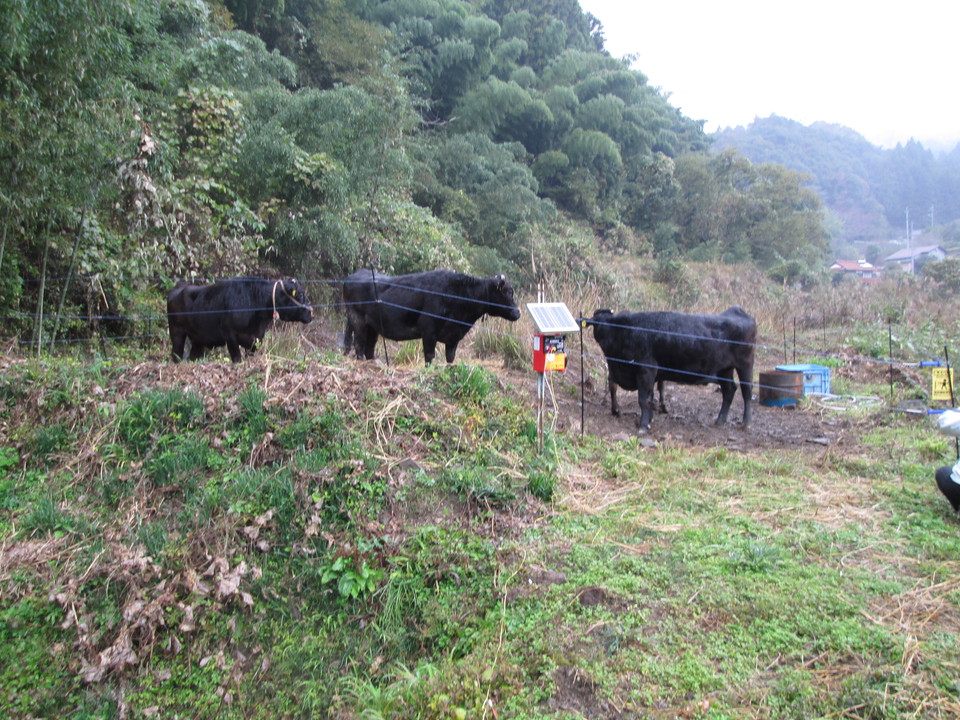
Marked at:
<point>646,348</point>
<point>234,312</point>
<point>437,306</point>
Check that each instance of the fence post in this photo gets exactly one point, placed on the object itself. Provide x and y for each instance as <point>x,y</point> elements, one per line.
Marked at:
<point>890,354</point>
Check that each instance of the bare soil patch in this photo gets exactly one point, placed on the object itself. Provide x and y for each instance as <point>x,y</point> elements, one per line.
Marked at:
<point>690,417</point>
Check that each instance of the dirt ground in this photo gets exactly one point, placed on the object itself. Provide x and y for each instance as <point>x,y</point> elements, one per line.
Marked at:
<point>691,412</point>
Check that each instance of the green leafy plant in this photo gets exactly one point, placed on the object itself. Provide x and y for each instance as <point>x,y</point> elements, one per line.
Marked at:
<point>542,484</point>
<point>467,383</point>
<point>353,576</point>
<point>153,535</point>
<point>492,342</point>
<point>9,459</point>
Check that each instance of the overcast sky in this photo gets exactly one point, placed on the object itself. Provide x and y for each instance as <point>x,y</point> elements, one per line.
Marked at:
<point>888,70</point>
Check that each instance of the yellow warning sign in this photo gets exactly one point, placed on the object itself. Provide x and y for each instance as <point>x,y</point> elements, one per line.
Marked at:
<point>555,361</point>
<point>942,384</point>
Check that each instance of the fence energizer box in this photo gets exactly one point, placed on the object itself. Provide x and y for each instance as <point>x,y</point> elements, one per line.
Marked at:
<point>548,353</point>
<point>552,320</point>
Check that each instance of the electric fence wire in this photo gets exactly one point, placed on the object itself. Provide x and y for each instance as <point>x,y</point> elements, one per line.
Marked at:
<point>385,281</point>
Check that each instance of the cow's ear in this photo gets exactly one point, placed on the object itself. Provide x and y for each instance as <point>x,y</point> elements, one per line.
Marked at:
<point>501,279</point>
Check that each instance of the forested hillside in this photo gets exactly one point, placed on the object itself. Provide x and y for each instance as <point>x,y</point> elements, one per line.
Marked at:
<point>146,140</point>
<point>868,189</point>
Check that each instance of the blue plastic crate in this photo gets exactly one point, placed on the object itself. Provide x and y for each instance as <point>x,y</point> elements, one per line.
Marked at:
<point>816,378</point>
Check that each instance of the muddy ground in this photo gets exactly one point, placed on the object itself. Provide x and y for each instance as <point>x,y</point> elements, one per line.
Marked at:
<point>691,414</point>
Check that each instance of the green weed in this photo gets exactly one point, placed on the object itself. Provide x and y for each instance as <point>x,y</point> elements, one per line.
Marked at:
<point>178,460</point>
<point>35,680</point>
<point>253,412</point>
<point>470,384</point>
<point>47,516</point>
<point>155,412</point>
<point>49,439</point>
<point>507,345</point>
<point>754,557</point>
<point>542,484</point>
<point>153,535</point>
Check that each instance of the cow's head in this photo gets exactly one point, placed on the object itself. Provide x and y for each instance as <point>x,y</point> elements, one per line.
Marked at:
<point>502,303</point>
<point>599,322</point>
<point>290,301</point>
<point>600,316</point>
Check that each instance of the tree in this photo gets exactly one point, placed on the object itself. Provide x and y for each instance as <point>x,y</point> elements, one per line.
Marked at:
<point>481,186</point>
<point>506,112</point>
<point>728,208</point>
<point>327,164</point>
<point>66,111</point>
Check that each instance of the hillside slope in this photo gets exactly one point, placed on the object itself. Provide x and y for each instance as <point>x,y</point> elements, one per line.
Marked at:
<point>867,187</point>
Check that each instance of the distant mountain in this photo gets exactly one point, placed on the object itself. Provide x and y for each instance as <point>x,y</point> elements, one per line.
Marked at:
<point>869,190</point>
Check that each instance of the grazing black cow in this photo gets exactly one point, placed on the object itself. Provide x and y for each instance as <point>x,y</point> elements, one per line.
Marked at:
<point>437,306</point>
<point>646,348</point>
<point>234,312</point>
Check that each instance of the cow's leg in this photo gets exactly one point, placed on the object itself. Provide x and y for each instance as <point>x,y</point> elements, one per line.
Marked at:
<point>368,338</point>
<point>614,405</point>
<point>745,374</point>
<point>729,389</point>
<point>451,351</point>
<point>347,337</point>
<point>663,407</point>
<point>646,379</point>
<point>178,338</point>
<point>430,349</point>
<point>359,343</point>
<point>233,347</point>
<point>248,342</point>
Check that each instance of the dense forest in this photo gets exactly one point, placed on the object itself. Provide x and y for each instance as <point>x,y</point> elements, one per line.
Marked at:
<point>870,193</point>
<point>147,140</point>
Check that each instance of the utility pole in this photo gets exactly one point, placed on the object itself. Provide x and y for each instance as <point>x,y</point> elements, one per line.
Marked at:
<point>910,243</point>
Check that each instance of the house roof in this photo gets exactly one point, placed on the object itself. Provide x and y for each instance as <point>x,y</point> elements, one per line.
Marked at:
<point>854,266</point>
<point>916,252</point>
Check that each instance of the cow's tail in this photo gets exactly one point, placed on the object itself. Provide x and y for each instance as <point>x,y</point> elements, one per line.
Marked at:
<point>348,333</point>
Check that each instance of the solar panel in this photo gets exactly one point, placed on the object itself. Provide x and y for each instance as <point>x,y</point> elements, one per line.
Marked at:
<point>552,318</point>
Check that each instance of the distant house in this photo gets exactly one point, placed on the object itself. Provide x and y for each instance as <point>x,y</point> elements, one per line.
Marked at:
<point>859,268</point>
<point>910,258</point>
